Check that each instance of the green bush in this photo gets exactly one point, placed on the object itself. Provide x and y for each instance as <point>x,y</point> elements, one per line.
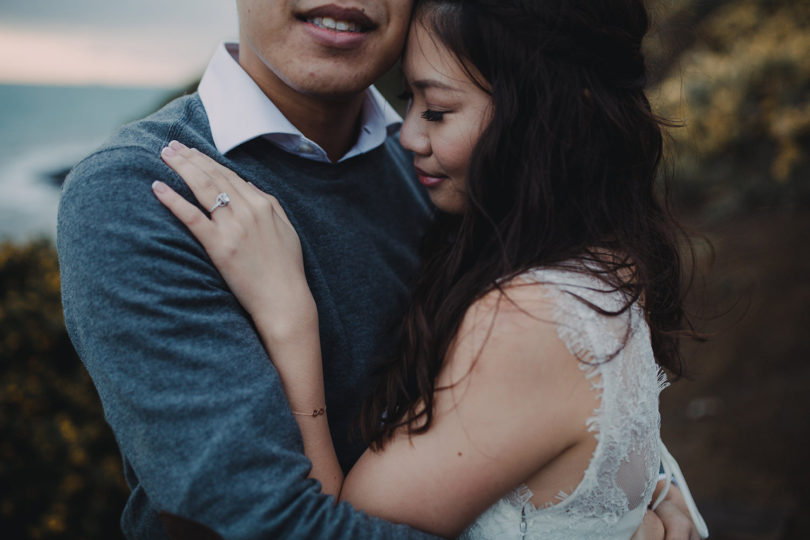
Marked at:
<point>742,90</point>
<point>59,466</point>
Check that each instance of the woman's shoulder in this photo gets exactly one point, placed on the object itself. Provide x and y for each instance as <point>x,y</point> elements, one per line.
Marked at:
<point>544,301</point>
<point>513,384</point>
<point>583,280</point>
<point>516,312</point>
<point>508,343</point>
<point>594,316</point>
<point>592,371</point>
<point>550,318</point>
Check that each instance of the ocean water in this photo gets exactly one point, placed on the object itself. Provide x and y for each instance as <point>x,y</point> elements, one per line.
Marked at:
<point>45,130</point>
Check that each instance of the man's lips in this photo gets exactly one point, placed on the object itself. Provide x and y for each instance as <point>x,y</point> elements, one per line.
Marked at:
<point>350,17</point>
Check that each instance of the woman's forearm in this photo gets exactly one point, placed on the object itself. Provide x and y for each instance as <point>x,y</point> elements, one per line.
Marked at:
<point>296,353</point>
<point>258,253</point>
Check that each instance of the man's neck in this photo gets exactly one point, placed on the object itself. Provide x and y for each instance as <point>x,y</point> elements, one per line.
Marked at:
<point>333,124</point>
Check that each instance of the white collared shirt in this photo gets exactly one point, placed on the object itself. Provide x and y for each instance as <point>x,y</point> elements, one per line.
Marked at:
<point>238,111</point>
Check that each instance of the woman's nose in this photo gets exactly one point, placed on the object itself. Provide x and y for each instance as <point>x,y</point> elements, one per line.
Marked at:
<point>412,137</point>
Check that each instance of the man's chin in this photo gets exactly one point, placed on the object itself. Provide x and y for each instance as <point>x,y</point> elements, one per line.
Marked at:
<point>334,84</point>
<point>334,94</point>
<point>341,75</point>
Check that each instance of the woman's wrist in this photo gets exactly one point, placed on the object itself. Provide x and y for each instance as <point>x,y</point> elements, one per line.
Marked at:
<point>294,349</point>
<point>284,321</point>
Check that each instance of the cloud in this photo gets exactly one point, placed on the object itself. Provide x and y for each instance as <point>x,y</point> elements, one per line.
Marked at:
<point>145,43</point>
<point>107,13</point>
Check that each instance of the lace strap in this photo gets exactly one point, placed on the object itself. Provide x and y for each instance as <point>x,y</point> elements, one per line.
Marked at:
<point>589,335</point>
<point>672,470</point>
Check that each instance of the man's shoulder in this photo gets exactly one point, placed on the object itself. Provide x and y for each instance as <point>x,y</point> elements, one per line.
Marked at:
<point>116,179</point>
<point>134,150</point>
<point>183,117</point>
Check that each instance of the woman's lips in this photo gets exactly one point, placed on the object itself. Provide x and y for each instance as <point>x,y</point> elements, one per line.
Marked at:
<point>429,180</point>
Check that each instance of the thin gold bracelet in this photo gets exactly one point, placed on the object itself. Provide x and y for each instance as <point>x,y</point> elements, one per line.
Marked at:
<point>314,414</point>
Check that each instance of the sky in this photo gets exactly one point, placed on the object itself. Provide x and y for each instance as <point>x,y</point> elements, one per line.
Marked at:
<point>157,43</point>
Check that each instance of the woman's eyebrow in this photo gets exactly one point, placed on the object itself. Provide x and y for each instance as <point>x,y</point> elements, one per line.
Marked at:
<point>424,84</point>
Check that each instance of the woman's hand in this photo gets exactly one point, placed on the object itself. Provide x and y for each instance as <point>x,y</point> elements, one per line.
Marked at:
<point>249,239</point>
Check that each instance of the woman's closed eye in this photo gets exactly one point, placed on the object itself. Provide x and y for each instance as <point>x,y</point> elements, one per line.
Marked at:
<point>430,115</point>
<point>433,116</point>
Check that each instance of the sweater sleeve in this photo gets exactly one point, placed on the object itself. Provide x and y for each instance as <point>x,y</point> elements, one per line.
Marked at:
<point>193,400</point>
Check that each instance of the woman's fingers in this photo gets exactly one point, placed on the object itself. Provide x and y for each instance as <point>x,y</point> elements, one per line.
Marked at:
<point>250,208</point>
<point>188,164</point>
<point>674,514</point>
<point>678,525</point>
<point>651,528</point>
<point>191,216</point>
<point>272,202</point>
<point>251,241</point>
<point>207,178</point>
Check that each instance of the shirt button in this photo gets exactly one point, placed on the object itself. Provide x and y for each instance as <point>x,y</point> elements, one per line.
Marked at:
<point>306,148</point>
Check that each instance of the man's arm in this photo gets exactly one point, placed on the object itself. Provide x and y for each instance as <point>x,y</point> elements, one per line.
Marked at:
<point>194,402</point>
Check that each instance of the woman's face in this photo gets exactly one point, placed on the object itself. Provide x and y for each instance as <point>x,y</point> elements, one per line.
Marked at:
<point>446,116</point>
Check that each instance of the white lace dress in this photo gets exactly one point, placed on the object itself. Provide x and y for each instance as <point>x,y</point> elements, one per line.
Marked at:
<point>618,483</point>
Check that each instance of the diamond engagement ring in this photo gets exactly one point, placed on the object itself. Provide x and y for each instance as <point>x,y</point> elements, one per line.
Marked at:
<point>222,200</point>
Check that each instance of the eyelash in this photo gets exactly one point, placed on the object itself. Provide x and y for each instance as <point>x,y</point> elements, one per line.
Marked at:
<point>433,116</point>
<point>429,115</point>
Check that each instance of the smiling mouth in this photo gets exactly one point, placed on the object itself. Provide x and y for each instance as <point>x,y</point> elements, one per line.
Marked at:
<point>429,180</point>
<point>329,23</point>
<point>338,19</point>
<point>420,172</point>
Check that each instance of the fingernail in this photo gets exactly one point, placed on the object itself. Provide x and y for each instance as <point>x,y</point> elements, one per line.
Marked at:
<point>168,151</point>
<point>159,187</point>
<point>177,145</point>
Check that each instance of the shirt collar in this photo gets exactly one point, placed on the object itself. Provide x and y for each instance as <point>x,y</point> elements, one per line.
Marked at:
<point>238,111</point>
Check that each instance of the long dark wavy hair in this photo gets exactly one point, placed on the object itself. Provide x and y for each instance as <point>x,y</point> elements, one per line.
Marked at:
<point>567,170</point>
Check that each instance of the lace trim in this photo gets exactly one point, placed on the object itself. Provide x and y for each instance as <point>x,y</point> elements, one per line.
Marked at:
<point>520,496</point>
<point>589,365</point>
<point>662,380</point>
<point>624,463</point>
<point>590,362</point>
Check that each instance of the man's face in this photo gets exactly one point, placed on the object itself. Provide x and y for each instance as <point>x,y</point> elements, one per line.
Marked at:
<point>329,49</point>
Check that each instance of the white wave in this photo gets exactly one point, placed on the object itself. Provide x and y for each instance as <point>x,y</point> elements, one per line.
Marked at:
<point>29,199</point>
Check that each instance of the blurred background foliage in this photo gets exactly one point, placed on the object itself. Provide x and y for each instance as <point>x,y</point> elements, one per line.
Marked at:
<point>741,88</point>
<point>736,75</point>
<point>59,466</point>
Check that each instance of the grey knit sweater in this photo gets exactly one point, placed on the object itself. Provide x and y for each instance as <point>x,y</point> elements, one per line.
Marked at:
<point>195,404</point>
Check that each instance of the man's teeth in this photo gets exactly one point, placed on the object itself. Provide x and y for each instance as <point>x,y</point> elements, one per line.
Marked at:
<point>331,24</point>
